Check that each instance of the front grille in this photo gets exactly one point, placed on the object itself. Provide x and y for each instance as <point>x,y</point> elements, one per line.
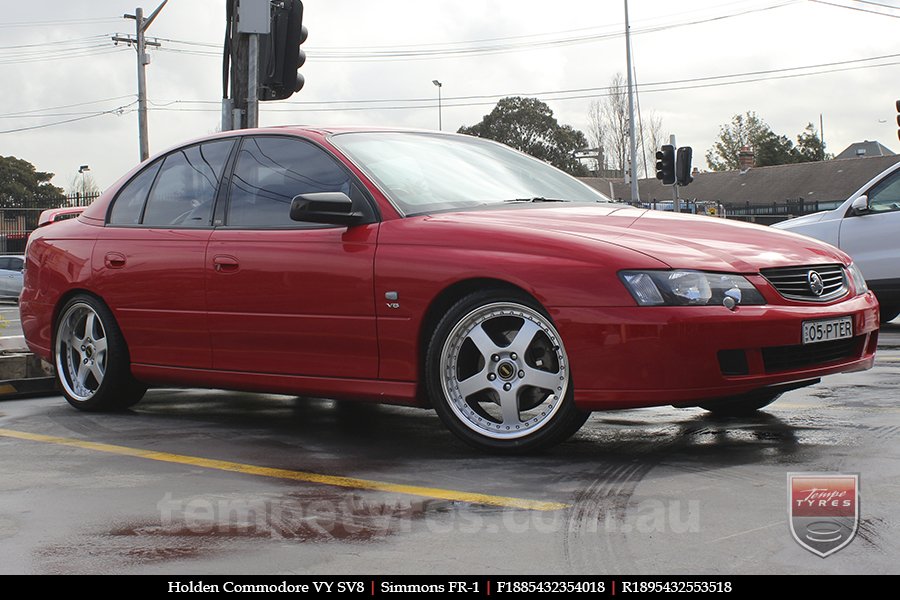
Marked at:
<point>787,358</point>
<point>794,282</point>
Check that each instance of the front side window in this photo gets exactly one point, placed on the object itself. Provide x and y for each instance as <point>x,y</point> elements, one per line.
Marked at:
<point>185,190</point>
<point>270,171</point>
<point>885,197</point>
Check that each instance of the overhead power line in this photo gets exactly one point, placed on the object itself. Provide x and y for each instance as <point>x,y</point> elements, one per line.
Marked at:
<point>589,92</point>
<point>120,110</point>
<point>498,45</point>
<point>32,111</point>
<point>861,9</point>
<point>56,22</point>
<point>56,43</point>
<point>576,96</point>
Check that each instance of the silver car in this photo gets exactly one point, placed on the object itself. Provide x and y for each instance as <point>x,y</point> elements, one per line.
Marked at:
<point>11,276</point>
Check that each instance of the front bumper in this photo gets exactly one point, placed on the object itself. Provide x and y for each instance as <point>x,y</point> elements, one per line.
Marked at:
<point>625,357</point>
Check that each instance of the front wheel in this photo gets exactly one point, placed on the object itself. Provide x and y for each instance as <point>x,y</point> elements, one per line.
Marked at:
<point>92,364</point>
<point>889,313</point>
<point>498,374</point>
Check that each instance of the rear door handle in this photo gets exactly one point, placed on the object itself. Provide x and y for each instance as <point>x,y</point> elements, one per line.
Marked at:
<point>114,260</point>
<point>225,264</point>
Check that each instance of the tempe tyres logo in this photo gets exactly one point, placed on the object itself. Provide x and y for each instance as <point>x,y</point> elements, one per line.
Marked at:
<point>823,510</point>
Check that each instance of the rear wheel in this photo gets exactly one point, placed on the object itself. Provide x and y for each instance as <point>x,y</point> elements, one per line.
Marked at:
<point>743,405</point>
<point>91,359</point>
<point>498,374</point>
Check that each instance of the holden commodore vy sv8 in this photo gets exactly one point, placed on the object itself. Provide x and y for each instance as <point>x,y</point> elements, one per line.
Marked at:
<point>432,270</point>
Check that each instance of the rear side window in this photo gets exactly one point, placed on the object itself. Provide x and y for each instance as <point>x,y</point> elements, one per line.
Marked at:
<point>181,188</point>
<point>185,189</point>
<point>4,264</point>
<point>130,202</point>
<point>270,171</point>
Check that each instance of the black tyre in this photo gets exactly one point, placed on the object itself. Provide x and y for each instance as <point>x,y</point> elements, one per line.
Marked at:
<point>743,405</point>
<point>93,368</point>
<point>889,313</point>
<point>498,375</point>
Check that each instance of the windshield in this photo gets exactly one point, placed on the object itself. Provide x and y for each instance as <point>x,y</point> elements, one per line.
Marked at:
<point>423,172</point>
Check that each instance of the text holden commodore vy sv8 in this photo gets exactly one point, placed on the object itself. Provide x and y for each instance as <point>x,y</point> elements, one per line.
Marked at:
<point>432,270</point>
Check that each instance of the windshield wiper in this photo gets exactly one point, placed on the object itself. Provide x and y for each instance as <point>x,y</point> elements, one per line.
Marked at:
<point>535,199</point>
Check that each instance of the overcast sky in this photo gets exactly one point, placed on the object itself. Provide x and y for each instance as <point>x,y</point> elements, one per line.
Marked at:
<point>57,63</point>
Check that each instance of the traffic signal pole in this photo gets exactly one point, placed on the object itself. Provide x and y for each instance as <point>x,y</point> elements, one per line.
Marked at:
<point>262,56</point>
<point>676,200</point>
<point>253,81</point>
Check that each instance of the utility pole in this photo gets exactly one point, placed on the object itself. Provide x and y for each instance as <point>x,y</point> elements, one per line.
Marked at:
<point>143,59</point>
<point>635,197</point>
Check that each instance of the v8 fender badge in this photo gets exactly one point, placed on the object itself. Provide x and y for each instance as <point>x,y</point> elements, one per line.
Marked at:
<point>823,510</point>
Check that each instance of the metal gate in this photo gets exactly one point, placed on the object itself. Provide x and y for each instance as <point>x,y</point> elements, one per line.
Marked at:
<point>16,224</point>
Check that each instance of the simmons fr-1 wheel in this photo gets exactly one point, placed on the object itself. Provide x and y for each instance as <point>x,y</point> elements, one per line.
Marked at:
<point>498,374</point>
<point>91,359</point>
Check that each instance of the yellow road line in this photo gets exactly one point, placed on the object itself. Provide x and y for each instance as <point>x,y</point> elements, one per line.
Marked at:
<point>333,480</point>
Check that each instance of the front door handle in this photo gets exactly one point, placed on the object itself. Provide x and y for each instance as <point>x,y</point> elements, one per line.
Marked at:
<point>114,260</point>
<point>223,263</point>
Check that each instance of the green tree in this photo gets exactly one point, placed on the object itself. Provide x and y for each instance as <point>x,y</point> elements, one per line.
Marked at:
<point>528,125</point>
<point>773,149</point>
<point>768,147</point>
<point>810,147</point>
<point>743,130</point>
<point>22,186</point>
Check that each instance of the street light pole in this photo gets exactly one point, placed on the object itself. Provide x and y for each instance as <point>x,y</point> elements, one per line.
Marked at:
<point>82,169</point>
<point>632,143</point>
<point>439,86</point>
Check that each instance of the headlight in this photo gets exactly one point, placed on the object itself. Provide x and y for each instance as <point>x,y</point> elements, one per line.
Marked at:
<point>689,288</point>
<point>859,282</point>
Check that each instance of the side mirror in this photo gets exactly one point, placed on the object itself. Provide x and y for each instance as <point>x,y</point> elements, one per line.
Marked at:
<point>332,208</point>
<point>860,206</point>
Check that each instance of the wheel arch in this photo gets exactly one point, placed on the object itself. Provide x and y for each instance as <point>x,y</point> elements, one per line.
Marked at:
<point>64,299</point>
<point>442,302</point>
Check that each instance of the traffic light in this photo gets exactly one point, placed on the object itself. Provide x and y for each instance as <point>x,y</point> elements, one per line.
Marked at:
<point>683,165</point>
<point>665,164</point>
<point>280,55</point>
<point>898,118</point>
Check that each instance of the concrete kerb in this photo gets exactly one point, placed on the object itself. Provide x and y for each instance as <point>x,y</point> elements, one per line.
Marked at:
<point>24,374</point>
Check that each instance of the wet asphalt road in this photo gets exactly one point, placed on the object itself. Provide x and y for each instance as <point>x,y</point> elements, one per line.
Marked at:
<point>659,491</point>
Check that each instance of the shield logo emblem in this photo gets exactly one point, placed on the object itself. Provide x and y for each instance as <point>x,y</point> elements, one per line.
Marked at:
<point>823,510</point>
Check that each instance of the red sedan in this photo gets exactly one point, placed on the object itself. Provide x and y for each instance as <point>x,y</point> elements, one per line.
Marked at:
<point>431,270</point>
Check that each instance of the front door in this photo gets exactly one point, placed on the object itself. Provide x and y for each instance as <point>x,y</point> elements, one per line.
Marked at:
<point>287,297</point>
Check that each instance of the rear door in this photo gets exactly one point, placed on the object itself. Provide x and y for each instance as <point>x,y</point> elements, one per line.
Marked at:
<point>287,297</point>
<point>148,261</point>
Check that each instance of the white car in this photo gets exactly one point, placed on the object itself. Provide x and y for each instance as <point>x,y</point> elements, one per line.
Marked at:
<point>867,227</point>
<point>11,276</point>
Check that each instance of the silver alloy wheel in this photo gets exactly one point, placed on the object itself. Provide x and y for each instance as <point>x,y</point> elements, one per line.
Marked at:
<point>504,370</point>
<point>81,351</point>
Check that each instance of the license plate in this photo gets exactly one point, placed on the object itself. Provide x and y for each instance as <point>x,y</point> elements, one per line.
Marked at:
<point>831,329</point>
